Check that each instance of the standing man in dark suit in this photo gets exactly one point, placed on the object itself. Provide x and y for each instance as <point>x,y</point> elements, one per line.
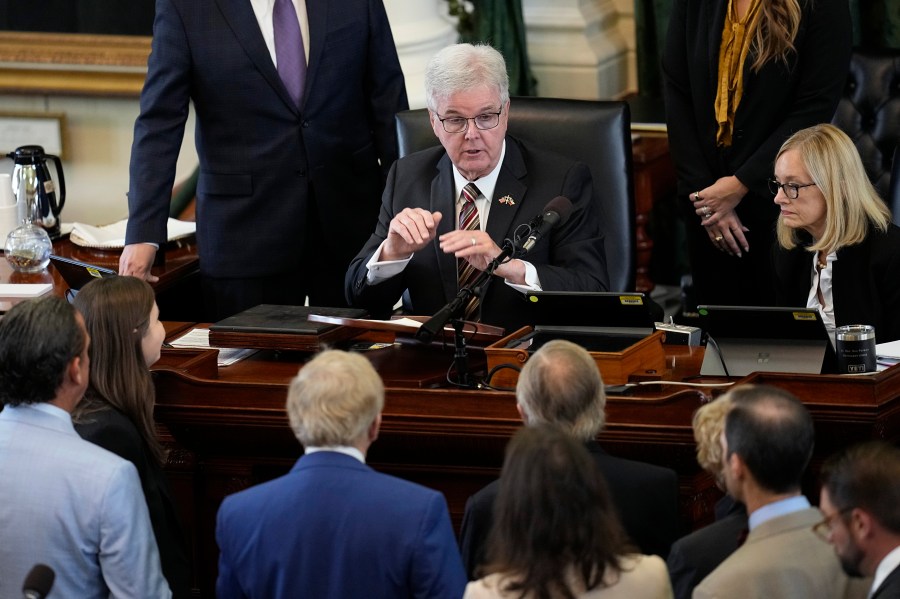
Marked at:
<point>860,499</point>
<point>431,235</point>
<point>561,385</point>
<point>333,528</point>
<point>295,104</point>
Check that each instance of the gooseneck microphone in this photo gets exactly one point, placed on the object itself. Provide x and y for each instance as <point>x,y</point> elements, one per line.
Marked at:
<point>38,582</point>
<point>556,212</point>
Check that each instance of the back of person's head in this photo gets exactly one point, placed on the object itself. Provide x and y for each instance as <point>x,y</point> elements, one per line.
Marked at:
<point>334,399</point>
<point>773,434</point>
<point>553,516</point>
<point>851,201</point>
<point>462,67</point>
<point>866,476</point>
<point>39,338</point>
<point>708,424</point>
<point>116,312</point>
<point>560,384</point>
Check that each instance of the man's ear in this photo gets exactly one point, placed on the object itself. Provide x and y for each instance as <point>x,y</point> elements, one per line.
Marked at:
<point>374,428</point>
<point>861,524</point>
<point>737,466</point>
<point>74,372</point>
<point>521,413</point>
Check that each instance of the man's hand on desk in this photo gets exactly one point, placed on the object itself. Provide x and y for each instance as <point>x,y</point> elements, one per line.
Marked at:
<point>136,260</point>
<point>409,231</point>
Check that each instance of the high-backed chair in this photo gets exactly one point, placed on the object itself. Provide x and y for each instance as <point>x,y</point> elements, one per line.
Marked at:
<point>869,111</point>
<point>597,133</point>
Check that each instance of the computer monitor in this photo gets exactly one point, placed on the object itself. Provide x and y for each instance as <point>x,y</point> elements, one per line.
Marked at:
<point>746,339</point>
<point>593,309</point>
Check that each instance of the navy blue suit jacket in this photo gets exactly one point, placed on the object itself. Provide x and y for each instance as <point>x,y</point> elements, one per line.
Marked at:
<point>571,258</point>
<point>335,528</point>
<point>264,162</point>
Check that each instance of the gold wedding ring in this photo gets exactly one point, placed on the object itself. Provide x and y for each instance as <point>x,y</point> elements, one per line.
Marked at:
<point>719,238</point>
<point>696,196</point>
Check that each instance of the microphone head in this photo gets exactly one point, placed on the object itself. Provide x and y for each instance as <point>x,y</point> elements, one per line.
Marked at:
<point>562,206</point>
<point>39,582</point>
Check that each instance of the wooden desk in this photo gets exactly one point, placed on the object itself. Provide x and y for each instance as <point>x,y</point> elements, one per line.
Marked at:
<point>177,291</point>
<point>230,430</point>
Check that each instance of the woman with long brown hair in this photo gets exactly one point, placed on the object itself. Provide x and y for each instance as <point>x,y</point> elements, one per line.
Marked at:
<point>556,534</point>
<point>740,77</point>
<point>122,318</point>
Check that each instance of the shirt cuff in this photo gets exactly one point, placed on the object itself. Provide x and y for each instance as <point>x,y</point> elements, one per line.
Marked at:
<point>532,282</point>
<point>382,270</point>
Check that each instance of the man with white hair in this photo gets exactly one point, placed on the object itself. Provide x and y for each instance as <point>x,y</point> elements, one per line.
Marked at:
<point>561,385</point>
<point>333,527</point>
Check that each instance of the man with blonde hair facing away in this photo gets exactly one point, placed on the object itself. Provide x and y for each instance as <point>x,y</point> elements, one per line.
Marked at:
<point>333,527</point>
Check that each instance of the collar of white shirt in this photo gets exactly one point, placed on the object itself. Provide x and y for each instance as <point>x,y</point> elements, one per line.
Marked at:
<point>887,565</point>
<point>344,449</point>
<point>776,509</point>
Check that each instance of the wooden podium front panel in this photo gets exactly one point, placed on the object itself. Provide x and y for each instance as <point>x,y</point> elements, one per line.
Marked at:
<point>230,429</point>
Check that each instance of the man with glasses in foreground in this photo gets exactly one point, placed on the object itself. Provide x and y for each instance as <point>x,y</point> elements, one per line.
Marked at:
<point>860,499</point>
<point>446,210</point>
<point>766,446</point>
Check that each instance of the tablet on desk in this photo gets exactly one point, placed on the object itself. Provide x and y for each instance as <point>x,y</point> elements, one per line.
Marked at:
<point>591,309</point>
<point>745,339</point>
<point>77,274</point>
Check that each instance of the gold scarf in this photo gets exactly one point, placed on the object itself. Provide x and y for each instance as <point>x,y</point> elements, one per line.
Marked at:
<point>736,37</point>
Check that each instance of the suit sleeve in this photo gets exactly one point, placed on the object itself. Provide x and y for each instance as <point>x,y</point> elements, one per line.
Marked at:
<point>129,558</point>
<point>227,584</point>
<point>823,61</point>
<point>379,298</point>
<point>159,129</point>
<point>437,571</point>
<point>681,573</point>
<point>385,85</point>
<point>476,522</point>
<point>577,259</point>
<point>681,125</point>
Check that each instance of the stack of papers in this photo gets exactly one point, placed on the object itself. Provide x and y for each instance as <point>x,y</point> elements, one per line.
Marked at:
<point>887,354</point>
<point>24,289</point>
<point>199,338</point>
<point>113,236</point>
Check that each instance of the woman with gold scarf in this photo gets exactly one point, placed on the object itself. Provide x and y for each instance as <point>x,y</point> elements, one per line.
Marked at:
<point>740,77</point>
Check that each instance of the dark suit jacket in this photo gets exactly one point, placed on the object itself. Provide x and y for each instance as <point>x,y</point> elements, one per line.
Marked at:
<point>645,495</point>
<point>865,282</point>
<point>333,528</point>
<point>694,556</point>
<point>571,259</point>
<point>112,430</point>
<point>777,101</point>
<point>263,161</point>
<point>890,588</point>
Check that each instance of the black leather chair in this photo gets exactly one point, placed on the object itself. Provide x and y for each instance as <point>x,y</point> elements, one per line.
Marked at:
<point>869,112</point>
<point>597,133</point>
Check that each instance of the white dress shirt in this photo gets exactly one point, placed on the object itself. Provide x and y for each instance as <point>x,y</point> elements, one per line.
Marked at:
<point>822,281</point>
<point>888,564</point>
<point>263,11</point>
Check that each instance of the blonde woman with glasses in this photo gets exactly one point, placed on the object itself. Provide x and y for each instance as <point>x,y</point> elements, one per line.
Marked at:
<point>837,249</point>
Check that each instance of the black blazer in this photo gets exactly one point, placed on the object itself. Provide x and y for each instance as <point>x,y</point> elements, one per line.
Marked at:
<point>645,495</point>
<point>865,282</point>
<point>112,430</point>
<point>890,588</point>
<point>266,165</point>
<point>694,556</point>
<point>777,101</point>
<point>572,258</point>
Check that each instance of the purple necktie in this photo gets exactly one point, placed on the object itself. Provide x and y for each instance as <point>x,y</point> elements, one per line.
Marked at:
<point>289,52</point>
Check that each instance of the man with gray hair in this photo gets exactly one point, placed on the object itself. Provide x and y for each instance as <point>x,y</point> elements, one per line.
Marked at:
<point>561,385</point>
<point>333,527</point>
<point>446,210</point>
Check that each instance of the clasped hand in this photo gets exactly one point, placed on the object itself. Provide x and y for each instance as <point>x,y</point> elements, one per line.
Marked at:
<point>715,206</point>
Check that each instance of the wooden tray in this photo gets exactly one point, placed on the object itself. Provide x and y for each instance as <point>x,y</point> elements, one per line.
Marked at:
<point>646,356</point>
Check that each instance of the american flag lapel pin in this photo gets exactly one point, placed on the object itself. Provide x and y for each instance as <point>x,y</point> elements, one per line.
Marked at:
<point>507,200</point>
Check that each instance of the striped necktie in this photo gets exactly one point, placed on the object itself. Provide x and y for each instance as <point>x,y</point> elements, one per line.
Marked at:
<point>468,221</point>
<point>289,52</point>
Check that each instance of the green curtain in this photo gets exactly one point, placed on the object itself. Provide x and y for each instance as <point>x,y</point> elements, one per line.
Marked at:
<point>876,24</point>
<point>500,24</point>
